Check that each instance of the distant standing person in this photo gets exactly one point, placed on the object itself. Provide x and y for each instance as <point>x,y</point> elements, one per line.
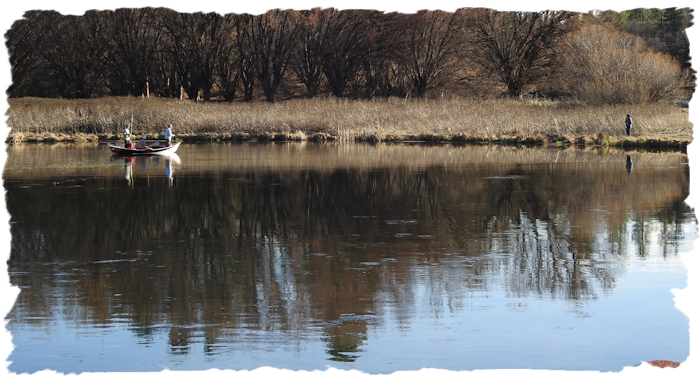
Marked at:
<point>169,134</point>
<point>127,136</point>
<point>628,124</point>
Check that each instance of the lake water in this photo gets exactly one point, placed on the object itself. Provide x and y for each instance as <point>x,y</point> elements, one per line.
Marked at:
<point>376,258</point>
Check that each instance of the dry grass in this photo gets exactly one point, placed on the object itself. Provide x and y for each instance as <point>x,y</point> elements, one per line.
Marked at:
<point>512,121</point>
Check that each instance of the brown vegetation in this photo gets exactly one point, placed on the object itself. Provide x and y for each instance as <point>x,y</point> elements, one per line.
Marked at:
<point>603,66</point>
<point>664,363</point>
<point>512,121</point>
<point>344,53</point>
<point>515,48</point>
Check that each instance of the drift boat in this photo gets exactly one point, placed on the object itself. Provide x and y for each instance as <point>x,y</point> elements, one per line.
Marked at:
<point>165,150</point>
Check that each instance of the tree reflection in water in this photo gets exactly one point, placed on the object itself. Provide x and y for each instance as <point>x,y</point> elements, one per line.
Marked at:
<point>217,255</point>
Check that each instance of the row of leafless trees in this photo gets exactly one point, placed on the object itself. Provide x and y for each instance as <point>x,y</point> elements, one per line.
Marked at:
<point>356,53</point>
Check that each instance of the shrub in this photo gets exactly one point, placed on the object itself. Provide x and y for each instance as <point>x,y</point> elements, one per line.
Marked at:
<point>605,66</point>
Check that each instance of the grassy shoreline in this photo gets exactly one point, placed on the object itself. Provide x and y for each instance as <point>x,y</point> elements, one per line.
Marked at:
<point>529,122</point>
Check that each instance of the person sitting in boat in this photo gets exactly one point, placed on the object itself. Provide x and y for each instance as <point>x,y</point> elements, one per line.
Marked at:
<point>142,143</point>
<point>169,134</point>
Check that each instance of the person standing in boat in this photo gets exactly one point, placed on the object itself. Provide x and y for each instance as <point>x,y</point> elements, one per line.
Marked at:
<point>169,134</point>
<point>127,136</point>
<point>628,125</point>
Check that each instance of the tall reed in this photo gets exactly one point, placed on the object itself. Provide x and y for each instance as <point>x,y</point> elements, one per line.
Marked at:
<point>344,119</point>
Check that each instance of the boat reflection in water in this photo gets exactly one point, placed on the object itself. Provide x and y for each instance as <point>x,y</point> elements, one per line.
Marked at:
<point>144,161</point>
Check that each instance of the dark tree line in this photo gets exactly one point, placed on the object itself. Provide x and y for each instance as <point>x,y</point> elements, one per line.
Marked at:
<point>349,53</point>
<point>662,29</point>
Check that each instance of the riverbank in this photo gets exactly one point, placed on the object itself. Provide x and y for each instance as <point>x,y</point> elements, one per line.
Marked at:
<point>565,140</point>
<point>456,120</point>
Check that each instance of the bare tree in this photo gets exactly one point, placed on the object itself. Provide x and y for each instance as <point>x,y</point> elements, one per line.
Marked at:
<point>229,73</point>
<point>343,35</point>
<point>430,45</point>
<point>195,42</point>
<point>135,35</point>
<point>266,43</point>
<point>26,62</point>
<point>245,56</point>
<point>515,49</point>
<point>347,49</point>
<point>70,51</point>
<point>378,61</point>
<point>306,63</point>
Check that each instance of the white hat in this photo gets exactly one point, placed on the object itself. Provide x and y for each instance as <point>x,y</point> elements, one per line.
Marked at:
<point>143,137</point>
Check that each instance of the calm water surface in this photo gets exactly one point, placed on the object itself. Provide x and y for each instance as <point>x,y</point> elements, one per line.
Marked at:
<point>376,258</point>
